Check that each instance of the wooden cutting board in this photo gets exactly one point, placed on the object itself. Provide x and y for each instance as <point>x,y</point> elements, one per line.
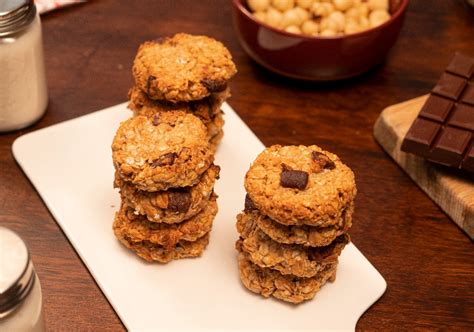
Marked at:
<point>451,190</point>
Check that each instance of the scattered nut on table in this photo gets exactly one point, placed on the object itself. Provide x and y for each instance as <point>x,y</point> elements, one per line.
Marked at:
<point>321,17</point>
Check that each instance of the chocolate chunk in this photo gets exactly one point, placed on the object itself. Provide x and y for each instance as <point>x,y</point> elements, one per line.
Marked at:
<point>323,160</point>
<point>148,83</point>
<point>249,204</point>
<point>214,85</point>
<point>165,160</point>
<point>293,179</point>
<point>156,120</point>
<point>179,201</point>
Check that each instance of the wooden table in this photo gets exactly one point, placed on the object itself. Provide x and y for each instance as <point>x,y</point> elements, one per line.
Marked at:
<point>427,261</point>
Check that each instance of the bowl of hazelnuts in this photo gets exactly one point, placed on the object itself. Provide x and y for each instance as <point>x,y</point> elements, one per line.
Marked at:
<point>318,40</point>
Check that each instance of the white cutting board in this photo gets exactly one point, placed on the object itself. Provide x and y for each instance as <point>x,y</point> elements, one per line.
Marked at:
<point>70,165</point>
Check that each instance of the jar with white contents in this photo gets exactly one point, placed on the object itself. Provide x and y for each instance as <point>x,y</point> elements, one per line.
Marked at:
<point>23,92</point>
<point>20,289</point>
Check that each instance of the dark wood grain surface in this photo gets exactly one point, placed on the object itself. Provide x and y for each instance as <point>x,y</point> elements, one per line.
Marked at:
<point>427,261</point>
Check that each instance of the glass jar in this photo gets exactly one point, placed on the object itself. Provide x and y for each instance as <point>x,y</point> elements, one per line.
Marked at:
<point>20,289</point>
<point>23,92</point>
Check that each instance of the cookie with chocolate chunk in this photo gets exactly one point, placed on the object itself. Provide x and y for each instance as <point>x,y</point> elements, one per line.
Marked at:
<point>170,206</point>
<point>156,252</point>
<point>289,259</point>
<point>300,185</point>
<point>137,228</point>
<point>310,236</point>
<point>169,150</point>
<point>268,282</point>
<point>182,68</point>
<point>208,110</point>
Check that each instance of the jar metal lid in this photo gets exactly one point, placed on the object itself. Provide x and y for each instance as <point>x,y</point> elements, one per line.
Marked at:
<point>16,271</point>
<point>15,15</point>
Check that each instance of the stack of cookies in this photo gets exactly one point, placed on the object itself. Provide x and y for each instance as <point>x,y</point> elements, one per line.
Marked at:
<point>164,154</point>
<point>298,208</point>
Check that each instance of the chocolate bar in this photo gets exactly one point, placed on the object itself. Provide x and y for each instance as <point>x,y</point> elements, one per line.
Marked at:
<point>443,132</point>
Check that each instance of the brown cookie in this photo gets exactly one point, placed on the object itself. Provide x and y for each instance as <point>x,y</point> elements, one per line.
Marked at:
<point>168,151</point>
<point>182,68</point>
<point>305,235</point>
<point>172,205</point>
<point>294,259</point>
<point>300,185</point>
<point>155,252</point>
<point>288,288</point>
<point>208,110</point>
<point>138,228</point>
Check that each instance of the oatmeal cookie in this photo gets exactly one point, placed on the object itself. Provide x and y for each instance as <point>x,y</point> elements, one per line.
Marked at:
<point>167,151</point>
<point>208,110</point>
<point>182,68</point>
<point>306,235</point>
<point>300,185</point>
<point>173,205</point>
<point>156,252</point>
<point>291,259</point>
<point>138,228</point>
<point>288,288</point>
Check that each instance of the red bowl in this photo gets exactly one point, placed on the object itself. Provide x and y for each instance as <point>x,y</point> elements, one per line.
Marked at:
<point>316,58</point>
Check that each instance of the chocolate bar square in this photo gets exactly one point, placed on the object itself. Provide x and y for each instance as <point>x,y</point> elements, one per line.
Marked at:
<point>463,117</point>
<point>449,86</point>
<point>461,65</point>
<point>420,137</point>
<point>450,146</point>
<point>436,108</point>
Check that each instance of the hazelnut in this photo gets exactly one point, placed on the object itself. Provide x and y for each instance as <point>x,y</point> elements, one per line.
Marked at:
<point>283,5</point>
<point>322,9</point>
<point>291,17</point>
<point>258,5</point>
<point>364,23</point>
<point>310,27</point>
<point>363,9</point>
<point>352,13</point>
<point>260,16</point>
<point>274,17</point>
<point>328,33</point>
<point>338,20</point>
<point>302,13</point>
<point>351,27</point>
<point>293,29</point>
<point>378,4</point>
<point>342,5</point>
<point>378,17</point>
<point>305,4</point>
